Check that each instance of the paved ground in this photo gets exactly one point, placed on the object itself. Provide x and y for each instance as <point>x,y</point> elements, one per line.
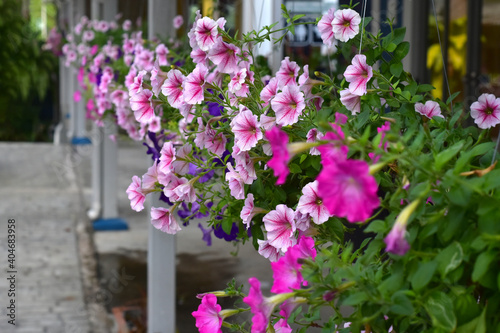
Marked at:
<point>46,190</point>
<point>38,192</point>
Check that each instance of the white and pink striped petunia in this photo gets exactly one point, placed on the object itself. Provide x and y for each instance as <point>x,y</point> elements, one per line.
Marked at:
<point>280,227</point>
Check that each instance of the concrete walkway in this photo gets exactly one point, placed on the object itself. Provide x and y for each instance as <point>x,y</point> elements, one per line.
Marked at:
<point>39,191</point>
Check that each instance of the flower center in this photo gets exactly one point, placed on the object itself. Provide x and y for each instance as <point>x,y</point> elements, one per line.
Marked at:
<point>488,111</point>
<point>293,105</point>
<point>347,24</point>
<point>319,202</point>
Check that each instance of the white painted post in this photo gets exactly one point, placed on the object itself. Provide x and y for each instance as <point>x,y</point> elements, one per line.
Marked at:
<point>104,182</point>
<point>161,246</point>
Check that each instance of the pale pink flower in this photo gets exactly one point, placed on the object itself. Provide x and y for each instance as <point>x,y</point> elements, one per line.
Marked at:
<point>136,86</point>
<point>486,111</point>
<point>144,59</point>
<point>268,251</point>
<point>185,191</point>
<point>288,73</point>
<point>236,183</point>
<point>280,227</point>
<point>225,56</point>
<point>167,156</point>
<point>142,106</point>
<point>206,33</point>
<point>172,88</point>
<point>119,98</point>
<point>279,162</point>
<point>180,164</point>
<point>345,24</point>
<point>351,101</point>
<point>150,178</point>
<point>193,86</point>
<point>305,83</point>
<point>312,136</point>
<point>267,122</point>
<point>161,54</point>
<point>429,109</point>
<point>325,27</point>
<point>247,133</point>
<point>169,190</point>
<point>199,56</point>
<point>155,124</point>
<point>358,74</point>
<point>288,105</point>
<point>247,212</point>
<point>158,78</point>
<point>136,195</point>
<point>282,326</point>
<point>163,219</point>
<point>127,25</point>
<point>215,143</point>
<point>348,190</point>
<point>207,316</point>
<point>269,91</point>
<point>302,221</point>
<point>178,21</point>
<point>310,203</point>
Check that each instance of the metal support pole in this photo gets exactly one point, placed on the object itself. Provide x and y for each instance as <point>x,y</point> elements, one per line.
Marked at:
<point>417,26</point>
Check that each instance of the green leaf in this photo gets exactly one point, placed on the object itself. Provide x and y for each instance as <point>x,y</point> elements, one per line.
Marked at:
<point>362,118</point>
<point>423,275</point>
<point>355,299</point>
<point>402,304</point>
<point>425,88</point>
<point>452,97</point>
<point>391,47</point>
<point>296,17</point>
<point>450,258</point>
<point>440,308</point>
<point>401,51</point>
<point>477,325</point>
<point>482,265</point>
<point>294,168</point>
<point>396,69</point>
<point>446,155</point>
<point>377,226</point>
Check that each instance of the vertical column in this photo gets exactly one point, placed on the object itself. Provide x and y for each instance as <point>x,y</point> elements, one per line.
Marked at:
<point>415,19</point>
<point>474,17</point>
<point>161,246</point>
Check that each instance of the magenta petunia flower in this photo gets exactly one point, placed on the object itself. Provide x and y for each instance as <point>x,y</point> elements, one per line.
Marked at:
<point>280,227</point>
<point>486,111</point>
<point>163,219</point>
<point>310,203</point>
<point>247,133</point>
<point>395,240</point>
<point>225,56</point>
<point>348,190</point>
<point>259,305</point>
<point>335,150</point>
<point>142,106</point>
<point>207,316</point>
<point>345,24</point>
<point>358,74</point>
<point>279,162</point>
<point>429,109</point>
<point>325,27</point>
<point>193,86</point>
<point>350,101</point>
<point>288,72</point>
<point>136,195</point>
<point>288,105</point>
<point>172,88</point>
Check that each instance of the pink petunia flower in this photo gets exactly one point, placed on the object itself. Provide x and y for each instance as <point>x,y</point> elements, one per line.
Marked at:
<point>180,164</point>
<point>345,24</point>
<point>150,178</point>
<point>225,56</point>
<point>280,227</point>
<point>279,162</point>
<point>236,183</point>
<point>161,54</point>
<point>206,33</point>
<point>169,190</point>
<point>163,219</point>
<point>288,72</point>
<point>238,85</point>
<point>172,88</point>
<point>335,150</point>
<point>429,109</point>
<point>247,133</point>
<point>193,86</point>
<point>312,136</point>
<point>269,91</point>
<point>310,203</point>
<point>142,106</point>
<point>185,191</point>
<point>158,78</point>
<point>178,21</point>
<point>199,56</point>
<point>215,143</point>
<point>136,195</point>
<point>282,326</point>
<point>249,210</point>
<point>268,251</point>
<point>358,74</point>
<point>486,111</point>
<point>351,101</point>
<point>348,190</point>
<point>325,27</point>
<point>77,96</point>
<point>167,156</point>
<point>288,105</point>
<point>207,316</point>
